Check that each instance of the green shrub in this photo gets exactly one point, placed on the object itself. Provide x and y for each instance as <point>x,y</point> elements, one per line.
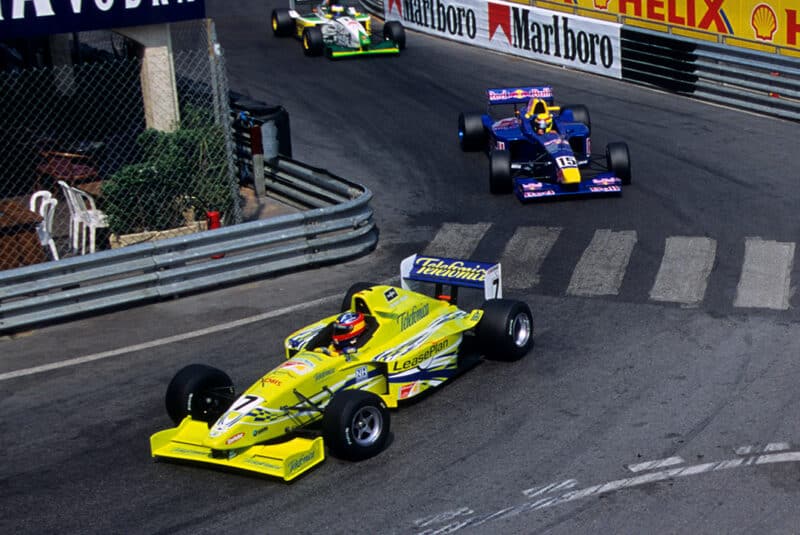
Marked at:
<point>181,169</point>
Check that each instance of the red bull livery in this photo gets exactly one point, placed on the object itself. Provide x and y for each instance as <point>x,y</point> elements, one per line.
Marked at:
<point>540,150</point>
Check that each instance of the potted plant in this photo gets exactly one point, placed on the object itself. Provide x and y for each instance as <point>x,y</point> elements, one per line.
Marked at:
<point>182,175</point>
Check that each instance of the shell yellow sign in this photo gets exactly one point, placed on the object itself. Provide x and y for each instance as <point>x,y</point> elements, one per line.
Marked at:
<point>769,22</point>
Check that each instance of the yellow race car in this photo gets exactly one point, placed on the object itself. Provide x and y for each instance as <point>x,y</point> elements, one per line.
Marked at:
<point>341,374</point>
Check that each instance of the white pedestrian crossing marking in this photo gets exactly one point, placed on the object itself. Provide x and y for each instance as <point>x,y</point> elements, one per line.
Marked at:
<point>524,254</point>
<point>602,265</point>
<point>457,240</point>
<point>766,275</point>
<point>684,271</point>
<point>682,277</point>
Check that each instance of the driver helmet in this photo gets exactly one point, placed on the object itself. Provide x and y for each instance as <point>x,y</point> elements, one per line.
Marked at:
<point>346,329</point>
<point>543,122</point>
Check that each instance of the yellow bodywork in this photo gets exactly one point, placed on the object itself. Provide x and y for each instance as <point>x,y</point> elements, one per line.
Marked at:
<point>286,460</point>
<point>414,346</point>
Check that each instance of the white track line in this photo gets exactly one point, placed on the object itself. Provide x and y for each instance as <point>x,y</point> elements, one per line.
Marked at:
<point>685,267</point>
<point>602,266</point>
<point>653,465</point>
<point>456,240</point>
<point>766,275</point>
<point>524,254</point>
<point>477,519</point>
<point>552,487</point>
<point>163,341</point>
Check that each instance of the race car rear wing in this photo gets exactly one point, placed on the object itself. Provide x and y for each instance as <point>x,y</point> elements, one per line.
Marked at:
<point>452,272</point>
<point>518,95</point>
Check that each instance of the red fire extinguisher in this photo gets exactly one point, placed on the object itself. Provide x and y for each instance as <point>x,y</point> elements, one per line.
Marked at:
<point>212,219</point>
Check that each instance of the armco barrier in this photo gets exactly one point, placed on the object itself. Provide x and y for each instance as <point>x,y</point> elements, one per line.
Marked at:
<point>737,77</point>
<point>340,226</point>
<point>373,6</point>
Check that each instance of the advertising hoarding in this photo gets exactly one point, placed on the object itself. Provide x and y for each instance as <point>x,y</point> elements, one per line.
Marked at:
<point>551,36</point>
<point>29,18</point>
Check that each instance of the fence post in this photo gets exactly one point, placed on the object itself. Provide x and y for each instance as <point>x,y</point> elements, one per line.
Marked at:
<point>257,150</point>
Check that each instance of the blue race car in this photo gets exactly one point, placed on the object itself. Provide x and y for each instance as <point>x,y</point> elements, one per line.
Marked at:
<point>542,150</point>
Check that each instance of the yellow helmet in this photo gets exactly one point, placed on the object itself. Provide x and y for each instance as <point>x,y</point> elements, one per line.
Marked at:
<point>535,106</point>
<point>543,122</point>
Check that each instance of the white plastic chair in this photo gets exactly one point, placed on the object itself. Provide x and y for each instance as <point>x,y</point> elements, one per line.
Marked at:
<point>76,220</point>
<point>86,218</point>
<point>37,199</point>
<point>47,210</point>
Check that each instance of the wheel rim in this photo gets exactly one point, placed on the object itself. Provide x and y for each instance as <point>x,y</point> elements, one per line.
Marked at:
<point>522,330</point>
<point>366,426</point>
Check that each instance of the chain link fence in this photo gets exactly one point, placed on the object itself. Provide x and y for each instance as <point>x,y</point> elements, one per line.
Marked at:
<point>132,146</point>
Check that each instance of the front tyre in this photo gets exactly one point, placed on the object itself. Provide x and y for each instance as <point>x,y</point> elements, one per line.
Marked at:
<point>471,135</point>
<point>394,31</point>
<point>282,23</point>
<point>580,114</point>
<point>313,45</point>
<point>618,158</point>
<point>505,331</point>
<point>200,391</point>
<point>355,425</point>
<point>500,172</point>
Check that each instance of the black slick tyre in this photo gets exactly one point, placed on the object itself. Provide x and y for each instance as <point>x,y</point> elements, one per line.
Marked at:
<point>505,331</point>
<point>313,45</point>
<point>282,23</point>
<point>355,425</point>
<point>618,159</point>
<point>500,172</point>
<point>580,114</point>
<point>394,31</point>
<point>471,135</point>
<point>200,391</point>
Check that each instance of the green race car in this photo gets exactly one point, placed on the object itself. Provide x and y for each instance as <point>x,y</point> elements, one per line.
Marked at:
<point>336,28</point>
<point>341,374</point>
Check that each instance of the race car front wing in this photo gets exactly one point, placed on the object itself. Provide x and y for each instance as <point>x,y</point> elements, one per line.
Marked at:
<point>530,189</point>
<point>285,460</point>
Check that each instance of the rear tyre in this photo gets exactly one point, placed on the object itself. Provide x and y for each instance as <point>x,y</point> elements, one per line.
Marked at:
<point>471,135</point>
<point>618,159</point>
<point>354,289</point>
<point>505,331</point>
<point>313,45</point>
<point>580,114</point>
<point>394,31</point>
<point>500,172</point>
<point>282,23</point>
<point>355,425</point>
<point>199,391</point>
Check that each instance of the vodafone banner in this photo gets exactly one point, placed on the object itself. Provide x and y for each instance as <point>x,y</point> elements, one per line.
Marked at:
<point>551,36</point>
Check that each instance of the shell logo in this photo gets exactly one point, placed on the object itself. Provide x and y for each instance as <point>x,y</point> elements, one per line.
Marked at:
<point>764,22</point>
<point>601,4</point>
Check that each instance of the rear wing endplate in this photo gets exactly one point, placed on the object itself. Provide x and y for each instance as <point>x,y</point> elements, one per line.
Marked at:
<point>453,272</point>
<point>518,95</point>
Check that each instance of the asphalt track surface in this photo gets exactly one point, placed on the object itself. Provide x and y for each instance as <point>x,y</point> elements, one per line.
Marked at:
<point>556,443</point>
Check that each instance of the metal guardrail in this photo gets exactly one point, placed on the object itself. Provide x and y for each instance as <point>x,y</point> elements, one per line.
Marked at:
<point>375,7</point>
<point>741,78</point>
<point>737,77</point>
<point>339,226</point>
